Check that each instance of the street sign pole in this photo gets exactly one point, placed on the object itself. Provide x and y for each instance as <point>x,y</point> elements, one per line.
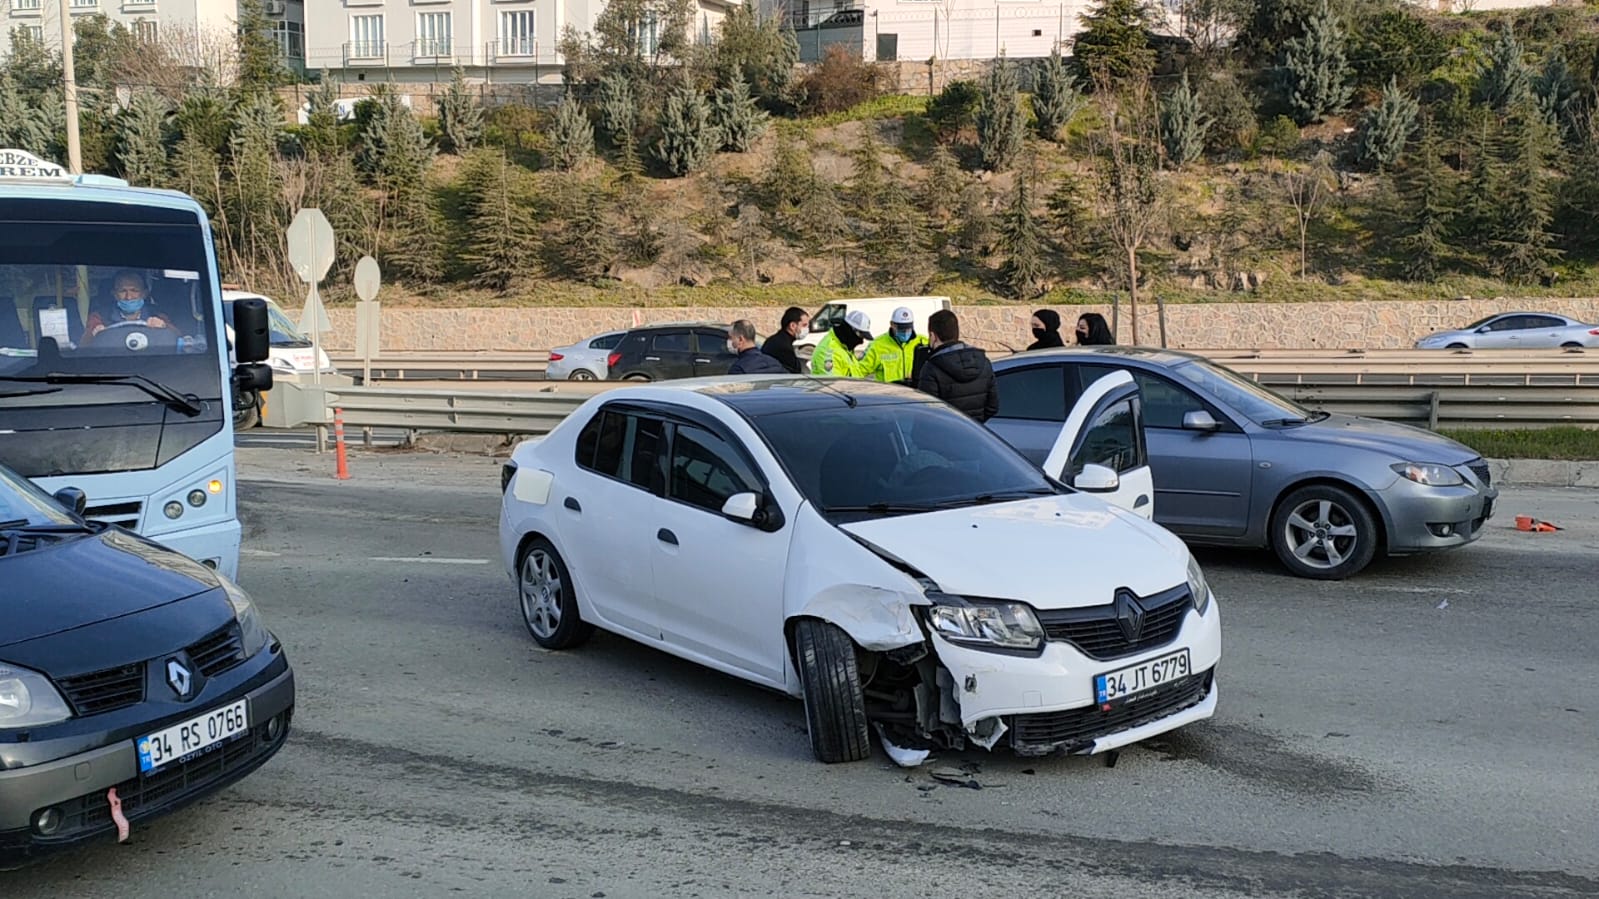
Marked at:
<point>311,247</point>
<point>368,279</point>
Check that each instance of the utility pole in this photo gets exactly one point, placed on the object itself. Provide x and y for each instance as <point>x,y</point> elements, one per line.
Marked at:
<point>74,154</point>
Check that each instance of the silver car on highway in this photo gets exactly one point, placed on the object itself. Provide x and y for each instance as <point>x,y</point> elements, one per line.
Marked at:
<point>584,360</point>
<point>1515,330</point>
<point>1235,464</point>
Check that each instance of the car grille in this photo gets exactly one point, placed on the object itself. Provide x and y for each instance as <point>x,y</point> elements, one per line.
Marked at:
<point>219,651</point>
<point>104,691</point>
<point>123,514</point>
<point>172,783</point>
<point>1047,731</point>
<point>1096,632</point>
<point>1480,468</point>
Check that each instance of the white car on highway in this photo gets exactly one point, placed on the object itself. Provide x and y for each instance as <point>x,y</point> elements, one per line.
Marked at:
<point>869,549</point>
<point>586,360</point>
<point>1515,330</point>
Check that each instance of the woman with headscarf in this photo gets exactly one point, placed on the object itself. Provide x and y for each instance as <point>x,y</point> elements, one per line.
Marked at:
<point>1093,331</point>
<point>1046,330</point>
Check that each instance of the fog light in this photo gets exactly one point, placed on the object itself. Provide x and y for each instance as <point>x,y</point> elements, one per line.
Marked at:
<point>273,729</point>
<point>173,509</point>
<point>215,487</point>
<point>48,821</point>
<point>197,498</point>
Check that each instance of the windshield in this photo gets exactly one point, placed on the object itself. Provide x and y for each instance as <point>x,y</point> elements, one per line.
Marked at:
<point>1246,397</point>
<point>107,360</point>
<point>284,333</point>
<point>900,457</point>
<point>1480,322</point>
<point>22,501</point>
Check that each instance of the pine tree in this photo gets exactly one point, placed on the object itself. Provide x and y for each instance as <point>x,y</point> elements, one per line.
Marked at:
<point>142,140</point>
<point>253,187</point>
<point>21,125</point>
<point>899,247</point>
<point>398,150</point>
<point>583,243</point>
<point>1556,89</point>
<point>1114,44</point>
<point>1387,127</point>
<point>197,171</point>
<point>1427,190</point>
<point>1069,213</point>
<point>1183,126</point>
<point>350,208</point>
<point>941,188</point>
<point>688,138</point>
<point>321,132</point>
<point>399,155</point>
<point>460,118</point>
<point>205,113</point>
<point>1001,124</point>
<point>617,108</point>
<point>1507,80</point>
<point>1056,99</point>
<point>868,179</point>
<point>502,242</point>
<point>735,116</point>
<point>1317,67</point>
<point>1479,219</point>
<point>1022,243</point>
<point>1522,248</point>
<point>260,69</point>
<point>572,136</point>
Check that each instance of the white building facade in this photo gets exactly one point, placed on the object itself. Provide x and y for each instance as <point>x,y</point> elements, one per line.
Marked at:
<point>415,41</point>
<point>164,20</point>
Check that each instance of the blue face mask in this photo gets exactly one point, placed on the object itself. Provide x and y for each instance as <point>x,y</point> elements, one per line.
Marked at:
<point>128,307</point>
<point>904,336</point>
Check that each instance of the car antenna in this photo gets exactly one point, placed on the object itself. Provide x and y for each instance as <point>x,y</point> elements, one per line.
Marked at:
<point>848,399</point>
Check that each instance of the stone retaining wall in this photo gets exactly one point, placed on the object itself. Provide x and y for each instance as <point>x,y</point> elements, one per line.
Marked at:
<point>1333,325</point>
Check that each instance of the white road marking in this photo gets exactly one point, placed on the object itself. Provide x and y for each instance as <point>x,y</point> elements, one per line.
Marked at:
<point>428,560</point>
<point>259,552</point>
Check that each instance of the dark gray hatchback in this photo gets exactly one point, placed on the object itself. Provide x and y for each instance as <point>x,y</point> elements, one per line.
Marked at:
<point>133,680</point>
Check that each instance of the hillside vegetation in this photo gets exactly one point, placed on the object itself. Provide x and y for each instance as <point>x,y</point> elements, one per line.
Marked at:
<point>1333,149</point>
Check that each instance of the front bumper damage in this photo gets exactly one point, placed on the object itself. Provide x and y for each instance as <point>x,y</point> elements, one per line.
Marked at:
<point>937,693</point>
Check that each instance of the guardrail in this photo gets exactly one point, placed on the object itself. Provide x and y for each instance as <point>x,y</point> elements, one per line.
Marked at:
<point>1471,389</point>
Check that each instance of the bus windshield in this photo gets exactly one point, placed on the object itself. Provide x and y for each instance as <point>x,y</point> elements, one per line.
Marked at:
<point>108,359</point>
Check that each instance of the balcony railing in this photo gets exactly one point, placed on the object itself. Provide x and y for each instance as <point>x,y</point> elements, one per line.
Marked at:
<point>366,53</point>
<point>432,50</point>
<point>514,49</point>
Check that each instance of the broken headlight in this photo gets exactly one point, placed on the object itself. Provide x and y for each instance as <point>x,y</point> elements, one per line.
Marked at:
<point>995,625</point>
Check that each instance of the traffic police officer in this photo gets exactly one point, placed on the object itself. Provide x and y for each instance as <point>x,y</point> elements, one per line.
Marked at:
<point>889,357</point>
<point>835,352</point>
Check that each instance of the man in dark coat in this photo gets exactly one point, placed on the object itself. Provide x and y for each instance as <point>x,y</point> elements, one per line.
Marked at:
<point>750,361</point>
<point>780,346</point>
<point>957,373</point>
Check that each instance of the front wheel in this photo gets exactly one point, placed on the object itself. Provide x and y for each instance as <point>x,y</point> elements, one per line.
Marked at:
<point>549,602</point>
<point>835,706</point>
<point>1323,532</point>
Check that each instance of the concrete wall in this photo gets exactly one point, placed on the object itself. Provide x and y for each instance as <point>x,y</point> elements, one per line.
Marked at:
<point>1339,325</point>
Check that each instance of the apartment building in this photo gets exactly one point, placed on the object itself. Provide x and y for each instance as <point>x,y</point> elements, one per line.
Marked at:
<point>189,20</point>
<point>417,41</point>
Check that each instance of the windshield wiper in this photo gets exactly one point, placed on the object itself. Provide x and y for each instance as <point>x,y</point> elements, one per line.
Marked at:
<point>1312,418</point>
<point>22,525</point>
<point>882,509</point>
<point>185,403</point>
<point>983,499</point>
<point>10,394</point>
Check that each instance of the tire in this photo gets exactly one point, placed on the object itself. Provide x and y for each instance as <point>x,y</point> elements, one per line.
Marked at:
<point>1456,346</point>
<point>547,598</point>
<point>581,374</point>
<point>637,377</point>
<point>835,707</point>
<point>1571,345</point>
<point>249,418</point>
<point>1324,532</point>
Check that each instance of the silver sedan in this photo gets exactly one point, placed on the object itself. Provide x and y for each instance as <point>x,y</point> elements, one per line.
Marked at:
<point>1515,330</point>
<point>584,360</point>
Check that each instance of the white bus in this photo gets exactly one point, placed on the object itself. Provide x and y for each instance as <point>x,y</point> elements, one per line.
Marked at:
<point>116,377</point>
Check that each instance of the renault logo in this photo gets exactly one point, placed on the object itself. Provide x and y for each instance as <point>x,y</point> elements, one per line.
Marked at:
<point>179,678</point>
<point>1129,616</point>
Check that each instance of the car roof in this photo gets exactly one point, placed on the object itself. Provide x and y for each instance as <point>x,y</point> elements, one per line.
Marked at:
<point>655,326</point>
<point>756,396</point>
<point>1156,355</point>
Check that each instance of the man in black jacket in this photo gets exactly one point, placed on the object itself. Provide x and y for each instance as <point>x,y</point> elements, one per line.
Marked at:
<point>750,361</point>
<point>780,346</point>
<point>957,373</point>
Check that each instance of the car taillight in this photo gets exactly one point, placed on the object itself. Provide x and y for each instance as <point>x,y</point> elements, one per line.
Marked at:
<point>614,359</point>
<point>556,357</point>
<point>1594,332</point>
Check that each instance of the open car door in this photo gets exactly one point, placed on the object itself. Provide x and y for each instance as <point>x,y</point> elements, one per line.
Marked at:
<point>1101,447</point>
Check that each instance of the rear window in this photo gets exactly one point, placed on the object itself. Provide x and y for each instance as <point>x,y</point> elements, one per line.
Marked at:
<point>606,342</point>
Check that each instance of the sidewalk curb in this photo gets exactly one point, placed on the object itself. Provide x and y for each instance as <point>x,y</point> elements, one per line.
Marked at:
<point>1543,473</point>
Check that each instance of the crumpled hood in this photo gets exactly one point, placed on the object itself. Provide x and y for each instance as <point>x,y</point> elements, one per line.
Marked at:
<point>1404,442</point>
<point>1052,553</point>
<point>73,583</point>
<point>964,363</point>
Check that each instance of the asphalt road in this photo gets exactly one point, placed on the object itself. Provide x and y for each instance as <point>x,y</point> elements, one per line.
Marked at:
<point>1426,730</point>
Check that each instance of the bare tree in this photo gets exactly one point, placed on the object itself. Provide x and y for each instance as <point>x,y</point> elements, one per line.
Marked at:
<point>1131,201</point>
<point>1307,190</point>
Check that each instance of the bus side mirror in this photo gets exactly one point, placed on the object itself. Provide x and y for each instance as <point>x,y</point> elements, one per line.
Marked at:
<point>252,376</point>
<point>252,336</point>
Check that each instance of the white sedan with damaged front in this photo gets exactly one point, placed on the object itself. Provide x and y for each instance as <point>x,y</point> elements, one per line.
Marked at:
<point>869,549</point>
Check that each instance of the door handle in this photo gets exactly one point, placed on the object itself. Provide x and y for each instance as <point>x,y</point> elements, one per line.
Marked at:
<point>573,504</point>
<point>666,536</point>
<point>1141,501</point>
<point>703,361</point>
<point>652,358</point>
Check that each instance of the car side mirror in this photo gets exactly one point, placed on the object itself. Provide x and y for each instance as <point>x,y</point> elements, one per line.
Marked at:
<point>752,509</point>
<point>73,498</point>
<point>252,336</point>
<point>253,376</point>
<point>1199,420</point>
<point>1484,329</point>
<point>1096,479</point>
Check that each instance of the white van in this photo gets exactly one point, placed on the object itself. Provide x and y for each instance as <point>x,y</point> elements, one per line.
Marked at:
<point>292,353</point>
<point>878,309</point>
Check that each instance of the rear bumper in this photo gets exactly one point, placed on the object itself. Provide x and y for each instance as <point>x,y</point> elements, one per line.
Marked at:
<point>77,785</point>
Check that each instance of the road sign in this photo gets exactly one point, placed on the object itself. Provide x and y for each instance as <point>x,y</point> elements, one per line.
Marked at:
<point>311,245</point>
<point>367,278</point>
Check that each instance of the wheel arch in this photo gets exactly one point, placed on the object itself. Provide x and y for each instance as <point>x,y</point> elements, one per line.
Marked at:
<point>1378,509</point>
